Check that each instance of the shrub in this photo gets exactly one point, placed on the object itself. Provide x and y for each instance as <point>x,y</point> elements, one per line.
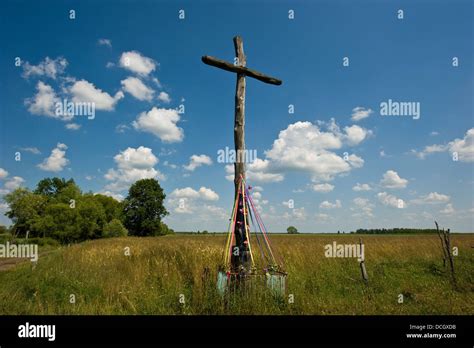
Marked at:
<point>114,228</point>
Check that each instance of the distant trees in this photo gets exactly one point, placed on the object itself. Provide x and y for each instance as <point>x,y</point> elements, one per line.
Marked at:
<point>292,230</point>
<point>394,230</point>
<point>58,209</point>
<point>143,209</point>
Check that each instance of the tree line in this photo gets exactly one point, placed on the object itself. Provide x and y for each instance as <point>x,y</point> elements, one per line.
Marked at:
<point>58,209</point>
<point>394,230</point>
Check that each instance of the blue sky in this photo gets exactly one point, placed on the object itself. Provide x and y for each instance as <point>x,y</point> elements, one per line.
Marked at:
<point>334,164</point>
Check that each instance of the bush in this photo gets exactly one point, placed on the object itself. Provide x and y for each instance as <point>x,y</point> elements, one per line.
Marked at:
<point>114,228</point>
<point>39,241</point>
<point>164,229</point>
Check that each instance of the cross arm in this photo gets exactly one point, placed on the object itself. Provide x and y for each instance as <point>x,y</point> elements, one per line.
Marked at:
<point>222,64</point>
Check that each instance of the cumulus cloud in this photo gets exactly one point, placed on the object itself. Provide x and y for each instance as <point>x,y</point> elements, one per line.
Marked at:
<point>56,161</point>
<point>187,200</point>
<point>463,148</point>
<point>431,198</point>
<point>362,207</point>
<point>132,164</point>
<point>323,187</point>
<point>359,113</point>
<point>11,184</point>
<point>3,173</point>
<point>137,88</point>
<point>329,205</point>
<point>361,187</point>
<point>164,97</point>
<point>255,172</point>
<point>114,195</point>
<point>44,102</point>
<point>448,209</point>
<point>161,123</point>
<point>137,63</point>
<point>391,200</point>
<point>196,161</point>
<point>392,180</point>
<point>47,68</point>
<point>85,92</point>
<point>304,147</point>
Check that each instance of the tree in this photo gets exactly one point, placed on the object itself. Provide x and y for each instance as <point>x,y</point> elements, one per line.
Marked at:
<point>114,228</point>
<point>112,207</point>
<point>292,230</point>
<point>50,187</point>
<point>144,209</point>
<point>25,206</point>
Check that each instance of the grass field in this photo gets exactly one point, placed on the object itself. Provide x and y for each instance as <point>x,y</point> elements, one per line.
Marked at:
<point>159,270</point>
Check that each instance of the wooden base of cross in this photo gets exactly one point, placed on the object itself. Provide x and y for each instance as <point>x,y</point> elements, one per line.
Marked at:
<point>239,67</point>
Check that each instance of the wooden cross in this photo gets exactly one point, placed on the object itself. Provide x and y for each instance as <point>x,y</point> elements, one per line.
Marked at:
<point>239,120</point>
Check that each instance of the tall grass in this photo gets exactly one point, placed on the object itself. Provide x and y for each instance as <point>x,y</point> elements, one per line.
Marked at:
<point>162,271</point>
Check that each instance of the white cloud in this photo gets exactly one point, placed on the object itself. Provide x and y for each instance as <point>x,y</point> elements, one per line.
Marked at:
<point>85,92</point>
<point>196,161</point>
<point>255,172</point>
<point>105,42</point>
<point>432,198</point>
<point>463,148</point>
<point>329,205</point>
<point>188,192</point>
<point>114,195</point>
<point>33,150</point>
<point>323,187</point>
<point>164,97</point>
<point>362,207</point>
<point>392,180</point>
<point>56,161</point>
<point>121,128</point>
<point>304,147</point>
<point>47,68</point>
<point>434,133</point>
<point>3,173</point>
<point>391,200</point>
<point>73,126</point>
<point>361,187</point>
<point>44,102</point>
<point>161,123</point>
<point>137,88</point>
<point>448,210</point>
<point>12,184</point>
<point>190,201</point>
<point>137,63</point>
<point>359,113</point>
<point>355,134</point>
<point>132,164</point>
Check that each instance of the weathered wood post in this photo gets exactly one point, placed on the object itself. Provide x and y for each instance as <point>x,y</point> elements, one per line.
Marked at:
<point>365,276</point>
<point>442,244</point>
<point>241,261</point>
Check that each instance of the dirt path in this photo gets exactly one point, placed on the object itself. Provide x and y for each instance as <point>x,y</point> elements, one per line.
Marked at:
<point>9,263</point>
